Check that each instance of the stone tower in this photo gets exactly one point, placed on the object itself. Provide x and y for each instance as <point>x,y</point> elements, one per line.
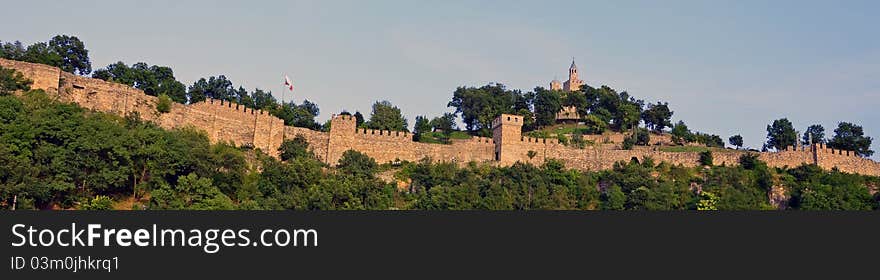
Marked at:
<point>555,85</point>
<point>342,130</point>
<point>573,83</point>
<point>507,133</point>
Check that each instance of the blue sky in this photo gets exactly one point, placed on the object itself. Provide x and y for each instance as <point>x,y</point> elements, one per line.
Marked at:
<point>725,67</point>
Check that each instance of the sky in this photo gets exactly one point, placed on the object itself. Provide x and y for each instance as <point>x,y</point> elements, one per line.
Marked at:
<point>725,67</point>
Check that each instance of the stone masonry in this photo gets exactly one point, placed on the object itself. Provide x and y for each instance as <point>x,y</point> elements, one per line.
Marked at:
<point>230,122</point>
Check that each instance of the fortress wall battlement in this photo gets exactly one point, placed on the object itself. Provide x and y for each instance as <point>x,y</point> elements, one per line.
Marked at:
<point>365,132</point>
<point>230,122</point>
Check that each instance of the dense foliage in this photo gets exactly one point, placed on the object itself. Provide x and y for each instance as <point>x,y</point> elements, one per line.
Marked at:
<point>62,51</point>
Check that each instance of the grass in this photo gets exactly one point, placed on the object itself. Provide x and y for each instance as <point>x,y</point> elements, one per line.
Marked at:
<point>440,138</point>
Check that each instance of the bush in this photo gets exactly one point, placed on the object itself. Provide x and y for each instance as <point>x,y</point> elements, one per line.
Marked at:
<point>642,137</point>
<point>294,148</point>
<point>628,143</point>
<point>594,124</point>
<point>12,81</point>
<point>706,158</point>
<point>164,104</point>
<point>100,202</point>
<point>358,164</point>
<point>749,161</point>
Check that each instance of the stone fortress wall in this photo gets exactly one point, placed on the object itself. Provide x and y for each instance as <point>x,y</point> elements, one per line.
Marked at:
<point>230,122</point>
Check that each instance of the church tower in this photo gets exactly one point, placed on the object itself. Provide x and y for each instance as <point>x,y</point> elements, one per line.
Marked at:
<point>573,83</point>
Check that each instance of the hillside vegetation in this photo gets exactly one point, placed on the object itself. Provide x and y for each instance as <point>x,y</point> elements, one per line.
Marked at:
<point>58,155</point>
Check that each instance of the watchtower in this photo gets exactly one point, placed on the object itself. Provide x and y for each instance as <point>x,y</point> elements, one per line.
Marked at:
<point>507,133</point>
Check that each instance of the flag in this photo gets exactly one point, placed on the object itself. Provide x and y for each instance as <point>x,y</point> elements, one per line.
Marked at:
<point>287,83</point>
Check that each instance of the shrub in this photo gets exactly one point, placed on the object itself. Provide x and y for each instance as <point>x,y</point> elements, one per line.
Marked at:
<point>100,202</point>
<point>628,143</point>
<point>706,158</point>
<point>642,137</point>
<point>164,104</point>
<point>294,148</point>
<point>749,161</point>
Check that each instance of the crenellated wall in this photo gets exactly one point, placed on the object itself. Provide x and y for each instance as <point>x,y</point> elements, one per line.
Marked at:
<point>230,122</point>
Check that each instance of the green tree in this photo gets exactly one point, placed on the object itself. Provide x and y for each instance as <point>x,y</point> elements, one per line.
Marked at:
<point>302,115</point>
<point>294,148</point>
<point>736,141</point>
<point>218,87</point>
<point>153,80</point>
<point>190,193</point>
<point>386,116</point>
<point>814,134</point>
<point>657,116</point>
<point>851,137</point>
<point>613,198</point>
<point>359,119</point>
<point>73,53</point>
<point>163,104</point>
<point>706,158</point>
<point>478,107</point>
<point>356,163</point>
<point>642,137</point>
<point>41,52</point>
<point>781,134</point>
<point>681,134</point>
<point>547,104</point>
<point>423,125</point>
<point>445,123</point>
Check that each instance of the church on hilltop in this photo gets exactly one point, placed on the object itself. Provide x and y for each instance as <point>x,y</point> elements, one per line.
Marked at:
<point>573,83</point>
<point>568,114</point>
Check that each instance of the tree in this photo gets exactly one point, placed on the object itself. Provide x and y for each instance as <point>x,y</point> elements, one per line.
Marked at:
<point>356,163</point>
<point>547,105</point>
<point>214,87</point>
<point>359,119</point>
<point>423,125</point>
<point>294,148</point>
<point>386,116</point>
<point>681,133</point>
<point>613,198</point>
<point>781,134</point>
<point>41,52</point>
<point>302,115</point>
<point>73,53</point>
<point>657,116</point>
<point>153,80</point>
<point>62,51</point>
<point>642,137</point>
<point>190,193</point>
<point>478,107</point>
<point>619,110</point>
<point>12,50</point>
<point>445,123</point>
<point>814,134</point>
<point>12,81</point>
<point>736,141</point>
<point>851,137</point>
<point>706,158</point>
<point>163,104</point>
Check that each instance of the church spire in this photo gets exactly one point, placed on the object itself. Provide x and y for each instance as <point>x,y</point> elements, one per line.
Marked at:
<point>573,66</point>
